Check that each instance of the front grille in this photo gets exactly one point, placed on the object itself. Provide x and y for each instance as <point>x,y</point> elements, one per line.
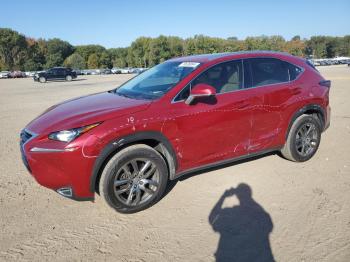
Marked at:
<point>25,136</point>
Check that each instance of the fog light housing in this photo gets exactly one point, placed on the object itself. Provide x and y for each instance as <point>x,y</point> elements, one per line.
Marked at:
<point>65,191</point>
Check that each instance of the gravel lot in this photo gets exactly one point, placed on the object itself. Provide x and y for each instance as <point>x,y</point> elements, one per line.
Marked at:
<point>307,203</point>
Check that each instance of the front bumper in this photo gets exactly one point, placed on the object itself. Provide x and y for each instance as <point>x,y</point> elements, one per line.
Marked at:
<point>56,167</point>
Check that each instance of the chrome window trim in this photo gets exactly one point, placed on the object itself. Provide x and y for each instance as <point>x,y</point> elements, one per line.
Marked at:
<point>243,89</point>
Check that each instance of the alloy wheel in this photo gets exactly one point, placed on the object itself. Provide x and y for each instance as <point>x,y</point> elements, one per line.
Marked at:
<point>307,139</point>
<point>136,182</point>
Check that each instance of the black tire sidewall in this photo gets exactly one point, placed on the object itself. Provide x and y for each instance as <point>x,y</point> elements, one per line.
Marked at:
<point>112,171</point>
<point>298,124</point>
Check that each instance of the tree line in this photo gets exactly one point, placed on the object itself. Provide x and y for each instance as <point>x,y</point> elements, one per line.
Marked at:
<point>18,52</point>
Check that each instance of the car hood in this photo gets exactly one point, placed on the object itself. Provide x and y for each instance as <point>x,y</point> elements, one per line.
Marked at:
<point>84,111</point>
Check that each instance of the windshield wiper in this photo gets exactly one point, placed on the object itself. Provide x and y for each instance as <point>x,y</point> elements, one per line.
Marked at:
<point>121,94</point>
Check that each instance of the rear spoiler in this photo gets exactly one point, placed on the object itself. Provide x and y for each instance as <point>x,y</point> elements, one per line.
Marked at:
<point>326,83</point>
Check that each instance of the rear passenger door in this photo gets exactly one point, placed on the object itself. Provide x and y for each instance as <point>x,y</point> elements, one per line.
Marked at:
<point>271,78</point>
<point>50,74</point>
<point>61,73</point>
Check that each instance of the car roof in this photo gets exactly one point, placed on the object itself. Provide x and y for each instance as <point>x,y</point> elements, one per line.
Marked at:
<point>204,58</point>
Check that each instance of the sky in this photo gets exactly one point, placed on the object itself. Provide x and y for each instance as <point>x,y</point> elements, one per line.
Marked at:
<point>117,23</point>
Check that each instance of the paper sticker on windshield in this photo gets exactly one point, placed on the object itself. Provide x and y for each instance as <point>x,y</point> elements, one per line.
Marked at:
<point>189,64</point>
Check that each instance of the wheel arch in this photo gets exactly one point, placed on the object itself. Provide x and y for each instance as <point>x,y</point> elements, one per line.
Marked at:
<point>153,139</point>
<point>311,109</point>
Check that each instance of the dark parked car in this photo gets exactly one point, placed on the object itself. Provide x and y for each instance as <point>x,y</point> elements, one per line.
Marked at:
<point>78,72</point>
<point>183,115</point>
<point>106,71</point>
<point>56,73</point>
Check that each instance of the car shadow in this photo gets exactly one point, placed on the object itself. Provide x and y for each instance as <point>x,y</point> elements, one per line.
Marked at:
<point>172,183</point>
<point>64,81</point>
<point>244,229</point>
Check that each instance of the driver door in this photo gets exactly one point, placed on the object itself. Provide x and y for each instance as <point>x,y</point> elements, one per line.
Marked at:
<point>216,128</point>
<point>51,74</point>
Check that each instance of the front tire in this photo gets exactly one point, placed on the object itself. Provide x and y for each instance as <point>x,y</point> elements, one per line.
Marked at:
<point>134,179</point>
<point>303,139</point>
<point>69,78</point>
<point>42,79</point>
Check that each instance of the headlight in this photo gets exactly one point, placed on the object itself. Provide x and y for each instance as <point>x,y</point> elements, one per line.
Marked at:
<point>69,135</point>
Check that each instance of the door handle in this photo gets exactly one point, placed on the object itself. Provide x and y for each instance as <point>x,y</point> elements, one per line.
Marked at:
<point>295,91</point>
<point>242,104</point>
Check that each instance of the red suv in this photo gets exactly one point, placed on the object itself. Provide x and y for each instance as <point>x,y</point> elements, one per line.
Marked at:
<point>183,115</point>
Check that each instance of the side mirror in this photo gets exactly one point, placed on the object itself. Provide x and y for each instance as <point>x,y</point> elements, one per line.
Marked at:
<point>200,90</point>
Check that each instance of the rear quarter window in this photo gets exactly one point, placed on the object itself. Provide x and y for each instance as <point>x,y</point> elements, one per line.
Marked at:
<point>267,71</point>
<point>293,71</point>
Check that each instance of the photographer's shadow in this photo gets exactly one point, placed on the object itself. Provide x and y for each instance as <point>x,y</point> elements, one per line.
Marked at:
<point>244,229</point>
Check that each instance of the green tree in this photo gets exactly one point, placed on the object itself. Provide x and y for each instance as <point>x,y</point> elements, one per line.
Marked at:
<point>316,46</point>
<point>57,52</point>
<point>138,53</point>
<point>86,50</point>
<point>31,65</point>
<point>176,45</point>
<point>75,61</point>
<point>105,60</point>
<point>118,56</point>
<point>13,49</point>
<point>344,46</point>
<point>159,50</point>
<point>295,47</point>
<point>296,38</point>
<point>35,56</point>
<point>53,60</point>
<point>19,52</point>
<point>93,61</point>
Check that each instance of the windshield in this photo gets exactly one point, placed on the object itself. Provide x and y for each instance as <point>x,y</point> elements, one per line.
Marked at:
<point>156,81</point>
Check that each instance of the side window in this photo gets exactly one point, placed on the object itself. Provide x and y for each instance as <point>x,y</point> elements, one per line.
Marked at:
<point>267,71</point>
<point>224,77</point>
<point>293,71</point>
<point>184,94</point>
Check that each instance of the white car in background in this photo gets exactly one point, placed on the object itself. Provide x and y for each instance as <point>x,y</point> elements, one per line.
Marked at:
<point>29,74</point>
<point>126,70</point>
<point>116,70</point>
<point>4,74</point>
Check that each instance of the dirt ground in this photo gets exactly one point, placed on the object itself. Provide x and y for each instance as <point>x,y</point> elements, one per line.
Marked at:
<point>297,212</point>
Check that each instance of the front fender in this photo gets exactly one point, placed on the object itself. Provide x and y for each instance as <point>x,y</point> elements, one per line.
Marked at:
<point>117,144</point>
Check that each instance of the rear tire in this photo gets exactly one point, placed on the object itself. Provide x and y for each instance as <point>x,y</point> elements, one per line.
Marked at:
<point>303,139</point>
<point>42,79</point>
<point>134,179</point>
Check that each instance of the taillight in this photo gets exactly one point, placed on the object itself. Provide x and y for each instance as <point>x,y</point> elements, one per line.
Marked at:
<point>326,83</point>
